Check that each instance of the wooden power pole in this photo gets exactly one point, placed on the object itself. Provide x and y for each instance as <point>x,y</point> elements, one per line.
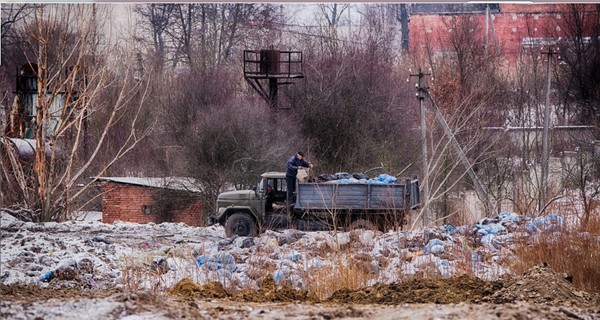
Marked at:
<point>421,93</point>
<point>545,135</point>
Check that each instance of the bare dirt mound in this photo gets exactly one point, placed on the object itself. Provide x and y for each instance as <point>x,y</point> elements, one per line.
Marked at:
<point>442,291</point>
<point>539,285</point>
<point>542,285</point>
<point>189,289</point>
<point>267,292</point>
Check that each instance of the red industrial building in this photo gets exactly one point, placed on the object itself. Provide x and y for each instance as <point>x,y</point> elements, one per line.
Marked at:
<point>513,29</point>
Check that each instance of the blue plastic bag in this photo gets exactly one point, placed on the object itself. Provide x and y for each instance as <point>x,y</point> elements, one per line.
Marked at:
<point>448,228</point>
<point>437,243</point>
<point>492,228</point>
<point>509,217</point>
<point>279,276</point>
<point>386,178</point>
<point>217,261</point>
<point>47,277</point>
<point>552,221</point>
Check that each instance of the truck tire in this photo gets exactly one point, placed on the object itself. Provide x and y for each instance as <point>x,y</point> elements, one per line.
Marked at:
<point>240,224</point>
<point>362,224</point>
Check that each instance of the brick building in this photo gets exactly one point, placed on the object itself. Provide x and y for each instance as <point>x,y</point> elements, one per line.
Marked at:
<point>145,200</point>
<point>512,29</point>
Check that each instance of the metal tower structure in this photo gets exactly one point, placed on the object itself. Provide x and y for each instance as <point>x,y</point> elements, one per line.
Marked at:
<point>266,70</point>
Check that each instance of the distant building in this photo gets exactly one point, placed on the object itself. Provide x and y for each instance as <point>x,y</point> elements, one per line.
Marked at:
<point>146,200</point>
<point>513,29</point>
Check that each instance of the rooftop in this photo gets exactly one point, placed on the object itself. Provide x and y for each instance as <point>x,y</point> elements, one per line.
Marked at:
<point>173,183</point>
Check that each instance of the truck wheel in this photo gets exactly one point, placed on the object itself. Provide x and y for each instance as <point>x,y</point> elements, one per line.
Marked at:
<point>362,224</point>
<point>240,224</point>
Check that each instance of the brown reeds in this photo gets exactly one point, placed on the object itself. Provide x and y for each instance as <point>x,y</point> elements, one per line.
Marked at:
<point>575,251</point>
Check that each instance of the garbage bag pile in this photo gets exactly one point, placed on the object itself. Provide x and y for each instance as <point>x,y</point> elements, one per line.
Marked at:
<point>345,178</point>
<point>73,254</point>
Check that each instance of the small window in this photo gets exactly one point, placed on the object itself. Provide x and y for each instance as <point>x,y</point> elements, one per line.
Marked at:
<point>281,185</point>
<point>147,209</point>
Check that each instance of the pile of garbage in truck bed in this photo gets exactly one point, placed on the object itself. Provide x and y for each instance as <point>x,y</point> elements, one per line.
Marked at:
<point>344,177</point>
<point>91,254</point>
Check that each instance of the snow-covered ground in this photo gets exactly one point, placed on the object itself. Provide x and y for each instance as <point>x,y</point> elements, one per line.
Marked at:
<point>89,255</point>
<point>156,256</point>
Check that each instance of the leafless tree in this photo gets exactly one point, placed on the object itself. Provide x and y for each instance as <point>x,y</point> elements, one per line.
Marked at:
<point>353,110</point>
<point>156,18</point>
<point>468,91</point>
<point>214,132</point>
<point>73,86</point>
<point>582,173</point>
<point>379,30</point>
<point>329,20</point>
<point>527,106</point>
<point>205,35</point>
<point>12,13</point>
<point>580,53</point>
<point>333,13</point>
<point>447,172</point>
<point>351,115</point>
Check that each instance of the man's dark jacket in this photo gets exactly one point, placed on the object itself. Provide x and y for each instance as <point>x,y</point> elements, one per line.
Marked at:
<point>293,164</point>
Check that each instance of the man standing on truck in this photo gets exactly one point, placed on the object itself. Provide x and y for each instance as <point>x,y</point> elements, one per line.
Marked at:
<point>292,166</point>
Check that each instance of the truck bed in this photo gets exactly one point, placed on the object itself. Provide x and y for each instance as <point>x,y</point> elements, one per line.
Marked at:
<point>355,196</point>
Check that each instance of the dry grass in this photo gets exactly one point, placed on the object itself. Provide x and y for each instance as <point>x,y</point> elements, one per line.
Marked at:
<point>575,251</point>
<point>137,273</point>
<point>140,273</point>
<point>338,269</point>
<point>343,273</point>
<point>335,267</point>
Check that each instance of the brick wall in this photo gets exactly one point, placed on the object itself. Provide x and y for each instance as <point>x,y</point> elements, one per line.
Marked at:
<point>512,25</point>
<point>126,202</point>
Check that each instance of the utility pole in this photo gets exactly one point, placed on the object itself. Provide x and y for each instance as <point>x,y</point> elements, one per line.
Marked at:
<point>545,134</point>
<point>489,24</point>
<point>403,18</point>
<point>421,93</point>
<point>487,28</point>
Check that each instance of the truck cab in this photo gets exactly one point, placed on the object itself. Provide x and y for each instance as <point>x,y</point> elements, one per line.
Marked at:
<point>246,212</point>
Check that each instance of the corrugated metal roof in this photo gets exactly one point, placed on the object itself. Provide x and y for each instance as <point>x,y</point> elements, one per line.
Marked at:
<point>173,183</point>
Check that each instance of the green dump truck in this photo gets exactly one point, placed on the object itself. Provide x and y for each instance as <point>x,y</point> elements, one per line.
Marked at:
<point>318,206</point>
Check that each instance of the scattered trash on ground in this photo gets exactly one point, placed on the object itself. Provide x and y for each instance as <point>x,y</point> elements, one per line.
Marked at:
<point>425,265</point>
